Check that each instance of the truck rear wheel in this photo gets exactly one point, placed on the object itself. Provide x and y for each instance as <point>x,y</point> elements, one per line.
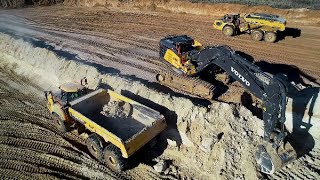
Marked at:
<point>113,158</point>
<point>228,30</point>
<point>257,35</point>
<point>95,146</point>
<point>59,123</point>
<point>270,37</point>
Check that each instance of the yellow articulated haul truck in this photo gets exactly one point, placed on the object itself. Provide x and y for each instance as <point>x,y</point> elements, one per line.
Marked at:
<point>260,26</point>
<point>114,126</point>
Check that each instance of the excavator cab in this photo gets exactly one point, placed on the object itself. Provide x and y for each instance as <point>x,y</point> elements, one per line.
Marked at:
<point>175,50</point>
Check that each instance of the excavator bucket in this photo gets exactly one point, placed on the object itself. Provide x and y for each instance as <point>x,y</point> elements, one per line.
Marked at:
<point>271,159</point>
<point>302,115</point>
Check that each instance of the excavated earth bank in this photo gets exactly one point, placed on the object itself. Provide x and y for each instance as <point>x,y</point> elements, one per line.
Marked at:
<point>199,143</point>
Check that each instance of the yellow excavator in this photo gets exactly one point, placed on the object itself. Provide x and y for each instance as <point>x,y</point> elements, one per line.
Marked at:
<point>260,26</point>
<point>190,58</point>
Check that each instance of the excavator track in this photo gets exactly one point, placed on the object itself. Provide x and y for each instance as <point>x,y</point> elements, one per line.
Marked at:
<point>186,85</point>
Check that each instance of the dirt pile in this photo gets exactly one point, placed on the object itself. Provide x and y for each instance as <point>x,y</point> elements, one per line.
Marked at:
<point>116,109</point>
<point>202,142</point>
<point>193,128</point>
<point>30,145</point>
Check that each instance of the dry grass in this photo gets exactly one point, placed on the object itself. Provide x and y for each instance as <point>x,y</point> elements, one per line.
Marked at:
<point>302,15</point>
<point>285,4</point>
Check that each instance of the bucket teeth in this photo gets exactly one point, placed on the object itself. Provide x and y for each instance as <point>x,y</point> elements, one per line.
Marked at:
<point>271,159</point>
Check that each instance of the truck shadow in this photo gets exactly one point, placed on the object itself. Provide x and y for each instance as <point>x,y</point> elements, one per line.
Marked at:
<point>149,152</point>
<point>293,32</point>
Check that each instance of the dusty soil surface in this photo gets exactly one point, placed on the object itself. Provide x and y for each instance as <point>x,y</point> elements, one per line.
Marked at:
<point>31,146</point>
<point>128,40</point>
<point>119,49</point>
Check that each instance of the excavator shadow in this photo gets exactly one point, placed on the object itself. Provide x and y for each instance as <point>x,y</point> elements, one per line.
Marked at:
<point>147,154</point>
<point>303,113</point>
<point>293,73</point>
<point>302,118</point>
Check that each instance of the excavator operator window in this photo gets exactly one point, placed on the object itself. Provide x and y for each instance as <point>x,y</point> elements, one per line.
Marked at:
<point>186,48</point>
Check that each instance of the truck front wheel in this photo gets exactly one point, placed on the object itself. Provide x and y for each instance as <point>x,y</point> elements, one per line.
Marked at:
<point>95,146</point>
<point>228,30</point>
<point>113,158</point>
<point>59,123</point>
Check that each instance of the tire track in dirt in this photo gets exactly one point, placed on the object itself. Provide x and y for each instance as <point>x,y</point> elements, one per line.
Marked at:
<point>282,52</point>
<point>31,147</point>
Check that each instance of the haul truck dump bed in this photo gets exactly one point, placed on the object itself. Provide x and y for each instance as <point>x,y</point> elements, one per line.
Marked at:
<point>116,126</point>
<point>126,126</point>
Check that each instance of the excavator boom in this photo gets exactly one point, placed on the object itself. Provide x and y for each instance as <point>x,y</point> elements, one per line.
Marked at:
<point>276,151</point>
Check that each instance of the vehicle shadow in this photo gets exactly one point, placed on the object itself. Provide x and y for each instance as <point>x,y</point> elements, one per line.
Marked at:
<point>293,72</point>
<point>293,32</point>
<point>149,152</point>
<point>302,115</point>
<point>103,69</point>
<point>301,110</point>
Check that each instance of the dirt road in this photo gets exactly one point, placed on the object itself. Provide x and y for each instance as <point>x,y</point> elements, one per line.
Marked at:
<point>125,44</point>
<point>128,40</point>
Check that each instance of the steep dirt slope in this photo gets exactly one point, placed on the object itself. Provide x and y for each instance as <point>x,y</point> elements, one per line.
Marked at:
<point>199,143</point>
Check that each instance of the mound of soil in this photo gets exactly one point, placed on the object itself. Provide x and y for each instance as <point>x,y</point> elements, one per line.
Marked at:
<point>208,142</point>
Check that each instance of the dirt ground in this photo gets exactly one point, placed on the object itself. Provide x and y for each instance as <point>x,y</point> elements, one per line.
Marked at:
<point>119,49</point>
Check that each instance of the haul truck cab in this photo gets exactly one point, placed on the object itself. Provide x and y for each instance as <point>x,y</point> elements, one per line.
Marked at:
<point>110,139</point>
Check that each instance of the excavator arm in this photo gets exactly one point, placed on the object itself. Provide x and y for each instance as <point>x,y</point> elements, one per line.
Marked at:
<point>275,153</point>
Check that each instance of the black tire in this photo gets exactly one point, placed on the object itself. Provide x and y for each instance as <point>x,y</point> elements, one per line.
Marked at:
<point>113,158</point>
<point>257,35</point>
<point>228,30</point>
<point>270,37</point>
<point>95,146</point>
<point>59,123</point>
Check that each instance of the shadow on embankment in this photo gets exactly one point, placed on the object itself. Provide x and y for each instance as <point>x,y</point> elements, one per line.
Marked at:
<point>302,101</point>
<point>148,153</point>
<point>302,107</point>
<point>302,110</point>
